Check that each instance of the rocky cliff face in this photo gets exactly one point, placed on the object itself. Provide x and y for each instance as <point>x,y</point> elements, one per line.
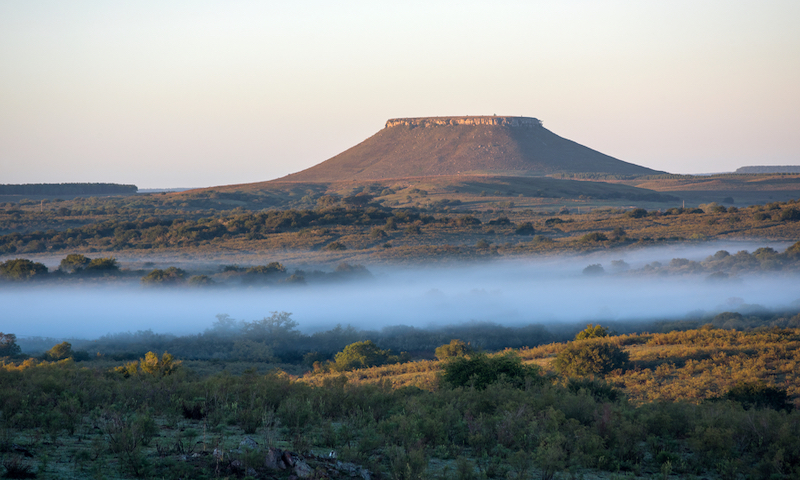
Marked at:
<point>451,121</point>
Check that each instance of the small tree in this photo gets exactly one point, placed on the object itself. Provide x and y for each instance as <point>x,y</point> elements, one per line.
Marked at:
<point>413,229</point>
<point>21,269</point>
<point>151,365</point>
<point>163,366</point>
<point>592,331</point>
<point>525,228</point>
<point>790,215</point>
<point>277,327</point>
<point>594,270</point>
<point>270,268</point>
<point>759,395</point>
<point>456,348</point>
<point>73,263</point>
<point>352,270</point>
<point>334,246</point>
<point>636,213</point>
<point>360,355</point>
<point>170,276</point>
<point>201,281</point>
<point>793,251</point>
<point>719,209</point>
<point>327,201</point>
<point>358,200</point>
<point>481,370</point>
<point>103,265</point>
<point>59,352</point>
<point>8,345</point>
<point>377,233</point>
<point>590,357</point>
<point>593,237</point>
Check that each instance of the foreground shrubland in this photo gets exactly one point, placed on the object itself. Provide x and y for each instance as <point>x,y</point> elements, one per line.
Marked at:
<point>516,414</point>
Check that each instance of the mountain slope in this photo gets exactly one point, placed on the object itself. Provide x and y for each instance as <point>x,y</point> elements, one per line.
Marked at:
<point>435,146</point>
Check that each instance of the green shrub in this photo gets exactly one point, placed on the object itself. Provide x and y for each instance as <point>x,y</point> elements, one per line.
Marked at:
<point>271,268</point>
<point>360,355</point>
<point>593,237</point>
<point>598,389</point>
<point>103,265</point>
<point>759,395</point>
<point>170,276</point>
<point>59,352</point>
<point>407,464</point>
<point>21,269</point>
<point>590,357</point>
<point>8,345</point>
<point>525,228</point>
<point>636,213</point>
<point>481,370</point>
<point>790,215</point>
<point>593,270</point>
<point>413,229</point>
<point>74,263</point>
<point>201,281</point>
<point>456,348</point>
<point>592,331</point>
<point>334,246</point>
<point>151,364</point>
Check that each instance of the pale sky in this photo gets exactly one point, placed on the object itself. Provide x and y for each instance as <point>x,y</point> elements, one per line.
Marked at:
<point>201,93</point>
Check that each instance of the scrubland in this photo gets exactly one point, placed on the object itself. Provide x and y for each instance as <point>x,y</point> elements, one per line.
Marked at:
<point>709,396</point>
<point>702,403</point>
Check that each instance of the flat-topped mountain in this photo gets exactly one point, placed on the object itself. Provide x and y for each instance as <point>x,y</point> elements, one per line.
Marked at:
<point>769,169</point>
<point>448,146</point>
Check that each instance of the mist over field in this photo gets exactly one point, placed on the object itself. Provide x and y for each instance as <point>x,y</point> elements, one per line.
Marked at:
<point>522,291</point>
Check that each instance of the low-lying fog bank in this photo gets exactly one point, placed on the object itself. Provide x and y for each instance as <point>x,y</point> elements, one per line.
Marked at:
<point>506,292</point>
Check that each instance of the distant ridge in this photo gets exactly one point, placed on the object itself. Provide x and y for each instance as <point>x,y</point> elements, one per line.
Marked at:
<point>68,189</point>
<point>456,146</point>
<point>770,169</point>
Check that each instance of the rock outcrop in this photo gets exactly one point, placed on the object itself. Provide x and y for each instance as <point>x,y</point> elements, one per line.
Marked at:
<point>468,121</point>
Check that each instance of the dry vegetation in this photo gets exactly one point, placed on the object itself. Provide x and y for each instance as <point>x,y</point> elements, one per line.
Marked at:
<point>694,365</point>
<point>665,414</point>
<point>359,227</point>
